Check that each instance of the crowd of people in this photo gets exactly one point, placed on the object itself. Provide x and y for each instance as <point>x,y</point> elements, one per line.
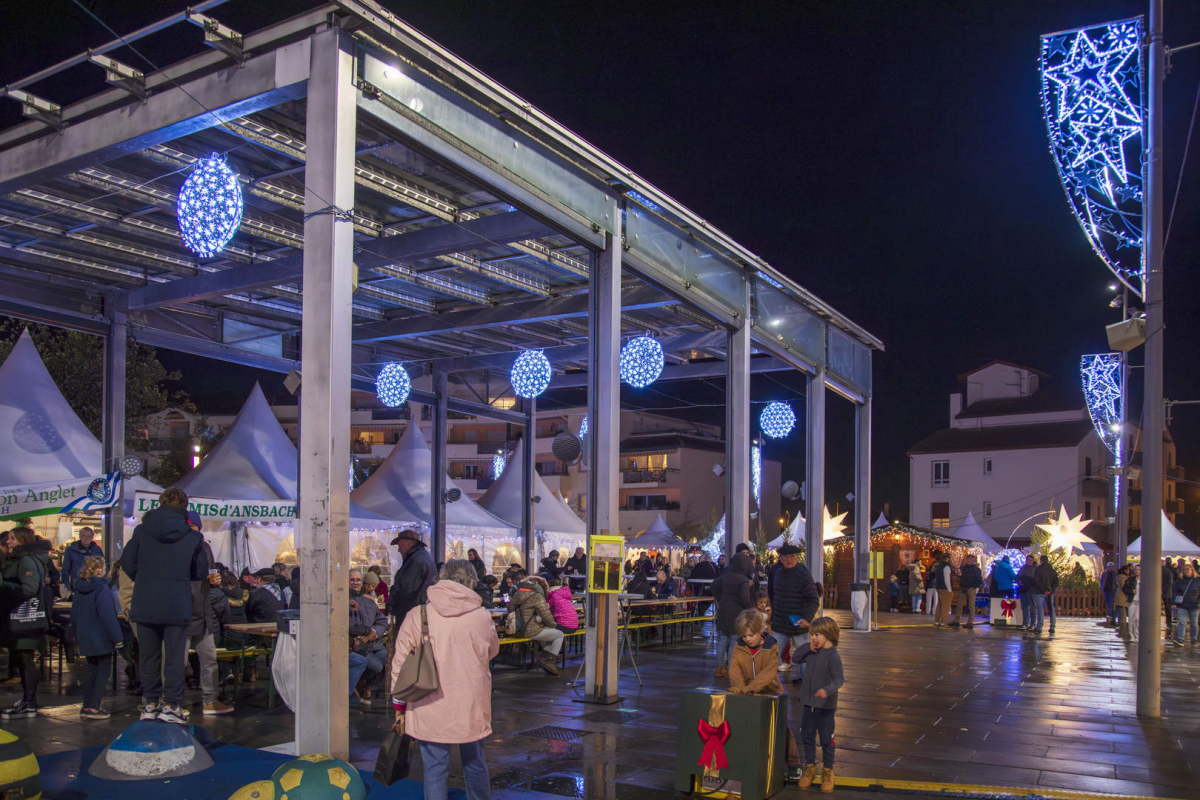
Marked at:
<point>1180,599</point>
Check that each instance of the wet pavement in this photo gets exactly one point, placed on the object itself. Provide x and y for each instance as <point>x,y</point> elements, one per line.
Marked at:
<point>991,707</point>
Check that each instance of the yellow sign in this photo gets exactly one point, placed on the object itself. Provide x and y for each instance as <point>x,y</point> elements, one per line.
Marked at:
<point>877,565</point>
<point>604,564</point>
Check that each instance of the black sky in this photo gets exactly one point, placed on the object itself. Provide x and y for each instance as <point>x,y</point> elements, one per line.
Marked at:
<point>890,157</point>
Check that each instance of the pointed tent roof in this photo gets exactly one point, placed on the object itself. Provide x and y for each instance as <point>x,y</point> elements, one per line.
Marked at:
<point>1174,543</point>
<point>255,460</point>
<point>971,531</point>
<point>657,536</point>
<point>795,530</point>
<point>41,437</point>
<point>881,522</point>
<point>505,499</point>
<point>400,488</point>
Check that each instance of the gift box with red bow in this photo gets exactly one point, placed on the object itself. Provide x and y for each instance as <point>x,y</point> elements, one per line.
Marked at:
<point>732,739</point>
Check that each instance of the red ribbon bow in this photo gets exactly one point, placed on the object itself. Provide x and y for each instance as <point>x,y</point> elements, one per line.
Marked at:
<point>1008,607</point>
<point>714,740</point>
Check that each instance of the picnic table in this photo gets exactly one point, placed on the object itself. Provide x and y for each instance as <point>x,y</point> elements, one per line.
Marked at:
<point>267,630</point>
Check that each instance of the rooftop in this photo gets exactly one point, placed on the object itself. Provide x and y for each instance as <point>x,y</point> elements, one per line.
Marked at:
<point>1004,437</point>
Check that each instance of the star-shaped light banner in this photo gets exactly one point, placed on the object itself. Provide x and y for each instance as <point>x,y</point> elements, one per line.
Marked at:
<point>832,527</point>
<point>1067,531</point>
<point>1092,101</point>
<point>1101,375</point>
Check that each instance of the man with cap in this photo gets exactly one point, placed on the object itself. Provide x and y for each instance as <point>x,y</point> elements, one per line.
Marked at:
<point>267,600</point>
<point>417,573</point>
<point>794,598</point>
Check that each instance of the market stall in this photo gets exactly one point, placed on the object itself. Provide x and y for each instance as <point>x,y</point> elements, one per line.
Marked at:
<point>400,490</point>
<point>655,539</point>
<point>1174,543</point>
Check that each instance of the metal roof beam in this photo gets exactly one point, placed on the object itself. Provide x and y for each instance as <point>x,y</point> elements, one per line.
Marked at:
<point>262,82</point>
<point>514,313</point>
<point>683,372</point>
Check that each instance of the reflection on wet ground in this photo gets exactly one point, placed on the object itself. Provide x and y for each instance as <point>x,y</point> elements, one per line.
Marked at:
<point>951,705</point>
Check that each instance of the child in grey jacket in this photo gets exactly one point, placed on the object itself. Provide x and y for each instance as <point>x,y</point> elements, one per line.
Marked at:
<point>823,677</point>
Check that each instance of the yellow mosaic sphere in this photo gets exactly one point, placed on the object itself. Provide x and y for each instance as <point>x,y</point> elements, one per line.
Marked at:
<point>317,777</point>
<point>19,771</point>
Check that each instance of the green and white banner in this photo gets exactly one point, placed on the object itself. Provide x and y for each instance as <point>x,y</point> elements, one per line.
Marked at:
<point>225,510</point>
<point>60,497</point>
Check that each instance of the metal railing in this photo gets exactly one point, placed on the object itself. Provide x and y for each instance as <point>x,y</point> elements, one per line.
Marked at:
<point>645,475</point>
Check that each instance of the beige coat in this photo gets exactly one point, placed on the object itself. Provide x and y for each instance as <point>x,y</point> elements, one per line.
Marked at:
<point>915,584</point>
<point>464,643</point>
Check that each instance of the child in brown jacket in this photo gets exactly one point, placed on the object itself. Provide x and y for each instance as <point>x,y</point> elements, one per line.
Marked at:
<point>754,669</point>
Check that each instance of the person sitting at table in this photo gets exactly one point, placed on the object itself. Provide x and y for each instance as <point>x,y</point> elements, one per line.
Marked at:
<point>368,626</point>
<point>529,601</point>
<point>662,587</point>
<point>266,600</point>
<point>685,569</point>
<point>566,618</point>
<point>550,567</point>
<point>577,564</point>
<point>640,583</point>
<point>381,588</point>
<point>705,570</point>
<point>721,565</point>
<point>483,588</point>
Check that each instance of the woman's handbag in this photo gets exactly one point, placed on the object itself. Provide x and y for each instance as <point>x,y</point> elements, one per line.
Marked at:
<point>1179,597</point>
<point>395,756</point>
<point>418,674</point>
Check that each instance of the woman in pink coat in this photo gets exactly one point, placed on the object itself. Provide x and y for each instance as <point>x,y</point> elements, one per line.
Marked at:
<point>460,712</point>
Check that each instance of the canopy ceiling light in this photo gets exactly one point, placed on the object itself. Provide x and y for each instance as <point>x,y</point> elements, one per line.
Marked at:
<point>530,374</point>
<point>641,361</point>
<point>393,385</point>
<point>777,420</point>
<point>209,210</point>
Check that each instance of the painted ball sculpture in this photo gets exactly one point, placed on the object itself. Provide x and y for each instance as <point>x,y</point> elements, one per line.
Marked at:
<point>19,772</point>
<point>318,777</point>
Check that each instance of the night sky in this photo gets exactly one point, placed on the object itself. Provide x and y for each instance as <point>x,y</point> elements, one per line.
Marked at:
<point>891,158</point>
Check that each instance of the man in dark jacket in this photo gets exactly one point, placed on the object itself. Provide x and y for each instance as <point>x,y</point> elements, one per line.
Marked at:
<point>1108,585</point>
<point>969,581</point>
<point>202,638</point>
<point>705,570</point>
<point>267,599</point>
<point>794,598</point>
<point>78,552</point>
<point>734,593</point>
<point>1027,589</point>
<point>577,564</point>
<point>1046,581</point>
<point>163,557</point>
<point>417,573</point>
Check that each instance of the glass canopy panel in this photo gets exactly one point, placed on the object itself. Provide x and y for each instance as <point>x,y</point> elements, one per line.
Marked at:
<point>850,361</point>
<point>781,318</point>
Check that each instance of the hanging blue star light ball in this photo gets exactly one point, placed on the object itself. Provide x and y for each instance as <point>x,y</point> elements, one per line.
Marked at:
<point>530,373</point>
<point>777,420</point>
<point>209,210</point>
<point>641,361</point>
<point>393,385</point>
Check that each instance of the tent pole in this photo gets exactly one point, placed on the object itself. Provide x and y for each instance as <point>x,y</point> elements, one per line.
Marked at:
<point>113,420</point>
<point>737,436</point>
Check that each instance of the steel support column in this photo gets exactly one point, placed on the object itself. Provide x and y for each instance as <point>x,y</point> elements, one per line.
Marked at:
<point>113,423</point>
<point>1149,647</point>
<point>862,503</point>
<point>323,535</point>
<point>814,482</point>
<point>528,459</point>
<point>604,440</point>
<point>738,488</point>
<point>438,485</point>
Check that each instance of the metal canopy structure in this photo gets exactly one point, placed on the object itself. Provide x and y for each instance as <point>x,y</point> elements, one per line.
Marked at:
<point>400,205</point>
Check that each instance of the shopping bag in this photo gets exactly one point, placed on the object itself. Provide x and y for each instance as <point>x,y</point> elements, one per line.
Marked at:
<point>395,755</point>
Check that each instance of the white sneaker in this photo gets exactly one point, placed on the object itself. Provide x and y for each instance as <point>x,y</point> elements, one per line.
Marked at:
<point>150,712</point>
<point>785,667</point>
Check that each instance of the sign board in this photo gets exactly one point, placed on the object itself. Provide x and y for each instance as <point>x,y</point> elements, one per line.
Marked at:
<point>60,497</point>
<point>604,565</point>
<point>876,565</point>
<point>225,510</point>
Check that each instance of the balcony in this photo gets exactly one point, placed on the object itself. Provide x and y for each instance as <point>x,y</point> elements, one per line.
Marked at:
<point>645,476</point>
<point>360,448</point>
<point>670,505</point>
<point>1173,506</point>
<point>1094,487</point>
<point>1175,473</point>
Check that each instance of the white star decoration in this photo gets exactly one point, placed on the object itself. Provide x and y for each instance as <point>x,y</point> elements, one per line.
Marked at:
<point>833,527</point>
<point>1067,531</point>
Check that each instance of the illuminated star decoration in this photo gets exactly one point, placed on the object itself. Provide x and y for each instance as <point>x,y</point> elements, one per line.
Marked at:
<point>641,361</point>
<point>1092,101</point>
<point>209,209</point>
<point>530,373</point>
<point>832,527</point>
<point>777,420</point>
<point>392,385</point>
<point>1067,531</point>
<point>1101,375</point>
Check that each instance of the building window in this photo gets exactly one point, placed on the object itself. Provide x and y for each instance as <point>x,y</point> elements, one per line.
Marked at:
<point>987,466</point>
<point>987,508</point>
<point>1087,467</point>
<point>1087,509</point>
<point>941,473</point>
<point>939,515</point>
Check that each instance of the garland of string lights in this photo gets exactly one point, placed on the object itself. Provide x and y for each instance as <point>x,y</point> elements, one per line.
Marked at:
<point>756,473</point>
<point>1101,375</point>
<point>498,463</point>
<point>583,427</point>
<point>1092,102</point>
<point>530,373</point>
<point>641,361</point>
<point>209,210</point>
<point>393,385</point>
<point>920,538</point>
<point>777,420</point>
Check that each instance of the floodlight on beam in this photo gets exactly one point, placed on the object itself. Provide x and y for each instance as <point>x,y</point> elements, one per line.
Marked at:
<point>1127,335</point>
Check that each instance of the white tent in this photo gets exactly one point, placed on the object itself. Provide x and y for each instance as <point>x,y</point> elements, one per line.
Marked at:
<point>559,526</point>
<point>881,522</point>
<point>42,439</point>
<point>658,536</point>
<point>255,460</point>
<point>1174,543</point>
<point>971,531</point>
<point>795,533</point>
<point>399,490</point>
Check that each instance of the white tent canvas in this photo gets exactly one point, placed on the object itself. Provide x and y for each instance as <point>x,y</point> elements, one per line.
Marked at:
<point>795,533</point>
<point>658,536</point>
<point>880,522</point>
<point>1174,543</point>
<point>41,437</point>
<point>400,491</point>
<point>562,529</point>
<point>971,531</point>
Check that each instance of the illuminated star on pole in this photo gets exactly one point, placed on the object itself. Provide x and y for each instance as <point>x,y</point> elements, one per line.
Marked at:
<point>833,527</point>
<point>1067,531</point>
